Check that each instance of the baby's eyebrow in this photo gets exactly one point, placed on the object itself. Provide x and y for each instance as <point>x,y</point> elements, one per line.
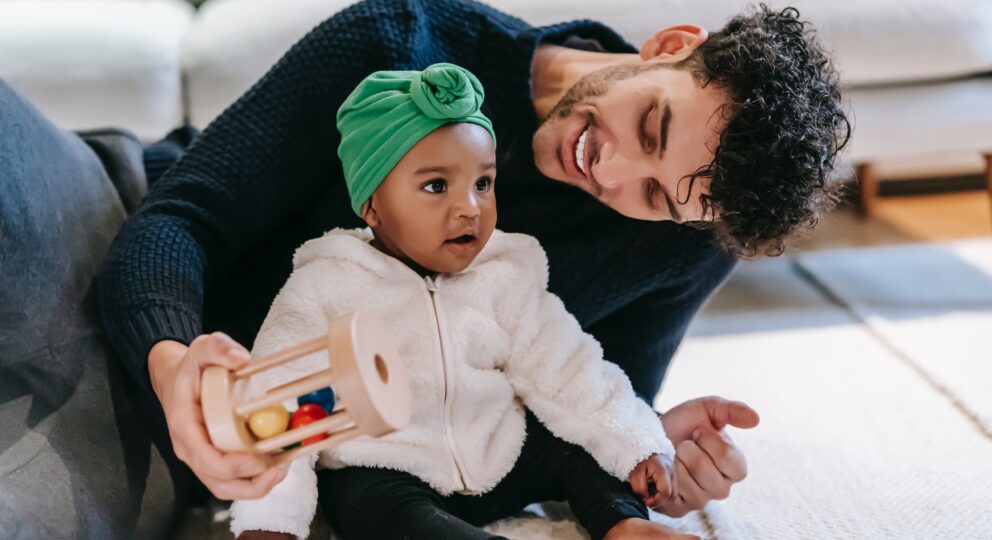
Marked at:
<point>487,166</point>
<point>434,169</point>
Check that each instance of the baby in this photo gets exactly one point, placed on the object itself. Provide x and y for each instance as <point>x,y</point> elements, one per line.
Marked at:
<point>511,402</point>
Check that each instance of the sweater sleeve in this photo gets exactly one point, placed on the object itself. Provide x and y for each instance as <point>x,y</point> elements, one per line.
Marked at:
<point>259,164</point>
<point>643,336</point>
<point>559,373</point>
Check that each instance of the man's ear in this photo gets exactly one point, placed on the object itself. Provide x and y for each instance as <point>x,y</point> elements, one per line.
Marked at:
<point>673,44</point>
<point>369,213</point>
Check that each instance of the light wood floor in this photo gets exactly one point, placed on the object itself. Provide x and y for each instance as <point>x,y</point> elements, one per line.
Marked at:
<point>909,218</point>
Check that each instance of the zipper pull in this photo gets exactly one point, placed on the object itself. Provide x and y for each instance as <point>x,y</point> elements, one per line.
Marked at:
<point>431,286</point>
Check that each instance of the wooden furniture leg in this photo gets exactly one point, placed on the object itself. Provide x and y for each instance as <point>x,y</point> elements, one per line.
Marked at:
<point>867,188</point>
<point>988,177</point>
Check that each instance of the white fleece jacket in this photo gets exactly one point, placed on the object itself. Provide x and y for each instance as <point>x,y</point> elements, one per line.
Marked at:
<point>478,346</point>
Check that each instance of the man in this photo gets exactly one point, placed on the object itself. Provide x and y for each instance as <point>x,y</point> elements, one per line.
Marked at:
<point>732,133</point>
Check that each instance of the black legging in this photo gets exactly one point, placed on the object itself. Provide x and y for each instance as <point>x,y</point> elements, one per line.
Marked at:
<point>383,504</point>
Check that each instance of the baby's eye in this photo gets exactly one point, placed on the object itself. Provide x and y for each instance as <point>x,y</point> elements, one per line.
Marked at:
<point>484,184</point>
<point>436,186</point>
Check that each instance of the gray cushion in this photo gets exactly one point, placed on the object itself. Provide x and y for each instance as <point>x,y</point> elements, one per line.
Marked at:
<point>67,470</point>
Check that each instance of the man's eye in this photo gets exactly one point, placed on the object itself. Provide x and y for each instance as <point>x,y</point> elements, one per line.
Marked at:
<point>436,186</point>
<point>646,141</point>
<point>483,184</point>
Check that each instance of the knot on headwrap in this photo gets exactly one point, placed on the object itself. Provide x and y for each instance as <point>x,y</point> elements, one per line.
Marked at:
<point>391,111</point>
<point>446,91</point>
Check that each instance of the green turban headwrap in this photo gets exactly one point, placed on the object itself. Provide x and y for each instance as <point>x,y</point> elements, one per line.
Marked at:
<point>390,111</point>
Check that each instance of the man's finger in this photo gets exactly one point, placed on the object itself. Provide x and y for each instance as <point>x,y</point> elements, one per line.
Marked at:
<point>245,489</point>
<point>221,350</point>
<point>265,482</point>
<point>227,345</point>
<point>204,458</point>
<point>729,460</point>
<point>208,460</point>
<point>723,412</point>
<point>247,465</point>
<point>691,496</point>
<point>703,471</point>
<point>178,448</point>
<point>675,508</point>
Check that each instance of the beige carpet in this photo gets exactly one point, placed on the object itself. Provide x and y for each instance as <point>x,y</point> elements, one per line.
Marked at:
<point>874,417</point>
<point>932,306</point>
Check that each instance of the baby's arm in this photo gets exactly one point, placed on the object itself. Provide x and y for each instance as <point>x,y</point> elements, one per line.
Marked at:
<point>559,373</point>
<point>298,313</point>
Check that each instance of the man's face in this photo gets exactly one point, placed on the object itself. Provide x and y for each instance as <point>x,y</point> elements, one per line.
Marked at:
<point>628,135</point>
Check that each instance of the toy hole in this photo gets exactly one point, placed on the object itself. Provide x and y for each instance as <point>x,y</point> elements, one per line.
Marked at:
<point>380,368</point>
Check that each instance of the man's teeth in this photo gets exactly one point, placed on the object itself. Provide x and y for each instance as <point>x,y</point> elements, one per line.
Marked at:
<point>580,151</point>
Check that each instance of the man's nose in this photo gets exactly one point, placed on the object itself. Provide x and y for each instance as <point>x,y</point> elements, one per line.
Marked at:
<point>615,168</point>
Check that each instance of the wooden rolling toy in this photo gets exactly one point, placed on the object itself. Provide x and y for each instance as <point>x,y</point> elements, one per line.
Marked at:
<point>363,391</point>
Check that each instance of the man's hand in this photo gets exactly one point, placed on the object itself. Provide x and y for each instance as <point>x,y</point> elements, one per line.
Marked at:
<point>175,374</point>
<point>653,480</point>
<point>707,463</point>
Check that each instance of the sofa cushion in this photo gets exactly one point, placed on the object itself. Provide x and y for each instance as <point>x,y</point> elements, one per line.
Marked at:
<point>921,120</point>
<point>97,63</point>
<point>74,461</point>
<point>882,41</point>
<point>234,42</point>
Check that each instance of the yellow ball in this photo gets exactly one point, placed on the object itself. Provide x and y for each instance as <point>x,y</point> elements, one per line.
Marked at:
<point>269,422</point>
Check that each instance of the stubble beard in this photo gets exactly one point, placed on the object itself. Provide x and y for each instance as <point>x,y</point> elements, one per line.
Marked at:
<point>589,87</point>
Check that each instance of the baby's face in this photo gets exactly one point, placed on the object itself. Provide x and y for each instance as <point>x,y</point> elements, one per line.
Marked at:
<point>437,208</point>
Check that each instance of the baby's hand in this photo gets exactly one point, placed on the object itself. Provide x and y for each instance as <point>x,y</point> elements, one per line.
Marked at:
<point>653,480</point>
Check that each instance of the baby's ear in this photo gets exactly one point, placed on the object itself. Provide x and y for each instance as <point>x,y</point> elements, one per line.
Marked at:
<point>369,214</point>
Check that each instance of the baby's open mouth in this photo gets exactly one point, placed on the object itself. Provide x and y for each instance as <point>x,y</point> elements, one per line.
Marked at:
<point>463,239</point>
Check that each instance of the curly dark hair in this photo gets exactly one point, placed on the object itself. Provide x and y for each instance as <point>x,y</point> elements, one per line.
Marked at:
<point>785,126</point>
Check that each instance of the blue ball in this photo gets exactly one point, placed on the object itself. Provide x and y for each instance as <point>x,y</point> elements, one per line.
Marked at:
<point>323,397</point>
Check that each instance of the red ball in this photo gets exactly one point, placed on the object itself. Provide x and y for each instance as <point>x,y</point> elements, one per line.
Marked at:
<point>307,414</point>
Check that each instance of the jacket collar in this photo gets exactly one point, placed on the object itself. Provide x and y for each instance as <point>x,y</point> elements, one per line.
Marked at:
<point>353,246</point>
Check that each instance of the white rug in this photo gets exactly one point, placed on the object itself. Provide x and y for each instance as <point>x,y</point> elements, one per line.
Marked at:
<point>856,440</point>
<point>555,520</point>
<point>932,305</point>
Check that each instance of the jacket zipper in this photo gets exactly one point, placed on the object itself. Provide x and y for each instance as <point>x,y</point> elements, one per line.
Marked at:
<point>446,403</point>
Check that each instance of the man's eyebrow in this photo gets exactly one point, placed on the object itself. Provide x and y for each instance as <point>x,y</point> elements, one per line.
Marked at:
<point>435,169</point>
<point>672,207</point>
<point>666,118</point>
<point>651,190</point>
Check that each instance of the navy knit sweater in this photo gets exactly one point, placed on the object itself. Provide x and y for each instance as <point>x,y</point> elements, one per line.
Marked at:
<point>213,242</point>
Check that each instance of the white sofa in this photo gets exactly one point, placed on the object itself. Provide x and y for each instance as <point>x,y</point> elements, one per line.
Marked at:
<point>97,63</point>
<point>918,72</point>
